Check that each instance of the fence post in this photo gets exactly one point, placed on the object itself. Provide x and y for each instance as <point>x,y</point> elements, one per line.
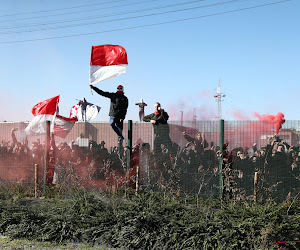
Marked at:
<point>221,159</point>
<point>255,186</point>
<point>137,184</point>
<point>36,181</point>
<point>129,144</point>
<point>46,157</point>
<point>129,149</point>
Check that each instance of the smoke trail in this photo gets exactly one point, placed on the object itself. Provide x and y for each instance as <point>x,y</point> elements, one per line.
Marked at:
<point>277,120</point>
<point>204,94</point>
<point>203,112</point>
<point>239,115</point>
<point>192,107</point>
<point>245,133</point>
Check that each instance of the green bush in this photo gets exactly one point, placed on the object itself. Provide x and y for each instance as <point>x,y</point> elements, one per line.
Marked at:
<point>150,221</point>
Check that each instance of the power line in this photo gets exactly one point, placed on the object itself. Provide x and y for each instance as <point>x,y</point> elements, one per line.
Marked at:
<point>149,25</point>
<point>76,12</point>
<point>113,14</point>
<point>45,11</point>
<point>126,18</point>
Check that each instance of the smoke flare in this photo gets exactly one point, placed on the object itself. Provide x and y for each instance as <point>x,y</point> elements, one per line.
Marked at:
<point>278,119</point>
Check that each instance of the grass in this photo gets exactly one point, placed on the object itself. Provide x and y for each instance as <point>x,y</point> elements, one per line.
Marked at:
<point>91,220</point>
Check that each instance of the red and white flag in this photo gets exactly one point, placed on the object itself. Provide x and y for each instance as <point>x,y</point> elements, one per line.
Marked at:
<point>47,111</point>
<point>63,125</point>
<point>74,111</point>
<point>84,111</point>
<point>43,111</point>
<point>107,61</point>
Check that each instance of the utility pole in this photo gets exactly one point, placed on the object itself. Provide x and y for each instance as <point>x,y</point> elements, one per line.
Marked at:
<point>219,99</point>
<point>181,120</point>
<point>194,118</point>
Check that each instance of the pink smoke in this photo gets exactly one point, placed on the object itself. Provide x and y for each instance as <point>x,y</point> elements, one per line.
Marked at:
<point>278,120</point>
<point>191,107</point>
<point>240,115</point>
<point>204,94</point>
<point>245,133</point>
<point>202,113</point>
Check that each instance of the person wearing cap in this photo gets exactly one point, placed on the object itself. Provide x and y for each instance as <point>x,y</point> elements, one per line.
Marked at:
<point>141,109</point>
<point>117,111</point>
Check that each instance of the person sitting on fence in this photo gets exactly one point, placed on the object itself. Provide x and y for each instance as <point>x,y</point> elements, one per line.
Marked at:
<point>117,112</point>
<point>159,119</point>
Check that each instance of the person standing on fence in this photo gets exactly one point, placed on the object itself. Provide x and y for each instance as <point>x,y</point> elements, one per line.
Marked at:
<point>83,103</point>
<point>159,119</point>
<point>141,109</point>
<point>117,111</point>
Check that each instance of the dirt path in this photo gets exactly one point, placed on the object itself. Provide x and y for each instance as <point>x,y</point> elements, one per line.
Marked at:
<point>8,244</point>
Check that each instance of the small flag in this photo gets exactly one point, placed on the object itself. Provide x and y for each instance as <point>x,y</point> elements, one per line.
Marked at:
<point>84,111</point>
<point>107,61</point>
<point>43,111</point>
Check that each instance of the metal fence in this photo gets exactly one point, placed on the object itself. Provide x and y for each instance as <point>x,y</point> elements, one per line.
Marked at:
<point>204,158</point>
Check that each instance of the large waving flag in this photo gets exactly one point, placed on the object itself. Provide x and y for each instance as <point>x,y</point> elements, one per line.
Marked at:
<point>107,61</point>
<point>43,111</point>
<point>47,111</point>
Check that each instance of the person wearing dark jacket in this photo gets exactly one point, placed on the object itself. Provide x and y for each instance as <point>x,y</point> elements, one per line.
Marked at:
<point>199,142</point>
<point>141,109</point>
<point>117,111</point>
<point>159,119</point>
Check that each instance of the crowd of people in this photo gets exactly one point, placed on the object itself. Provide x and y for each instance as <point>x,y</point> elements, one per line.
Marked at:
<point>194,168</point>
<point>84,163</point>
<point>278,164</point>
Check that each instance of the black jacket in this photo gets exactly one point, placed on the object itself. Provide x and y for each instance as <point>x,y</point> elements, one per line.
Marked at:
<point>118,103</point>
<point>161,126</point>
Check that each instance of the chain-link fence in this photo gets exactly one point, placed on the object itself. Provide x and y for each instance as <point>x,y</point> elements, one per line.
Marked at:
<point>184,158</point>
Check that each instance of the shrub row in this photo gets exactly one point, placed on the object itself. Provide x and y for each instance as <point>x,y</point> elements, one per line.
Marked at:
<point>151,221</point>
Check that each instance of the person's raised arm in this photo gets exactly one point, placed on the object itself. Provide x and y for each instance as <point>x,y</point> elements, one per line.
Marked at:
<point>13,136</point>
<point>187,137</point>
<point>100,92</point>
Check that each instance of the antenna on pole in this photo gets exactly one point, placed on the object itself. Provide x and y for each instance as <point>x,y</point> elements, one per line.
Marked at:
<point>219,99</point>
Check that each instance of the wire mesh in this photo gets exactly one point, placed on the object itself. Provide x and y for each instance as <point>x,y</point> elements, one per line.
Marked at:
<point>184,158</point>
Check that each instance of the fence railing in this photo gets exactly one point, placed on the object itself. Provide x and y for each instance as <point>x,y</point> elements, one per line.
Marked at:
<point>204,158</point>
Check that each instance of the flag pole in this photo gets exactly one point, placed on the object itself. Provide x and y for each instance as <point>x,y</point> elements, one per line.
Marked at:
<point>46,156</point>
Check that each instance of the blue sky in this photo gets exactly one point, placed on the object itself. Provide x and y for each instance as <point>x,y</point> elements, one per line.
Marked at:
<point>253,50</point>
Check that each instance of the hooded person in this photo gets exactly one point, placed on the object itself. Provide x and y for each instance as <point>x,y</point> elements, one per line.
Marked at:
<point>117,111</point>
